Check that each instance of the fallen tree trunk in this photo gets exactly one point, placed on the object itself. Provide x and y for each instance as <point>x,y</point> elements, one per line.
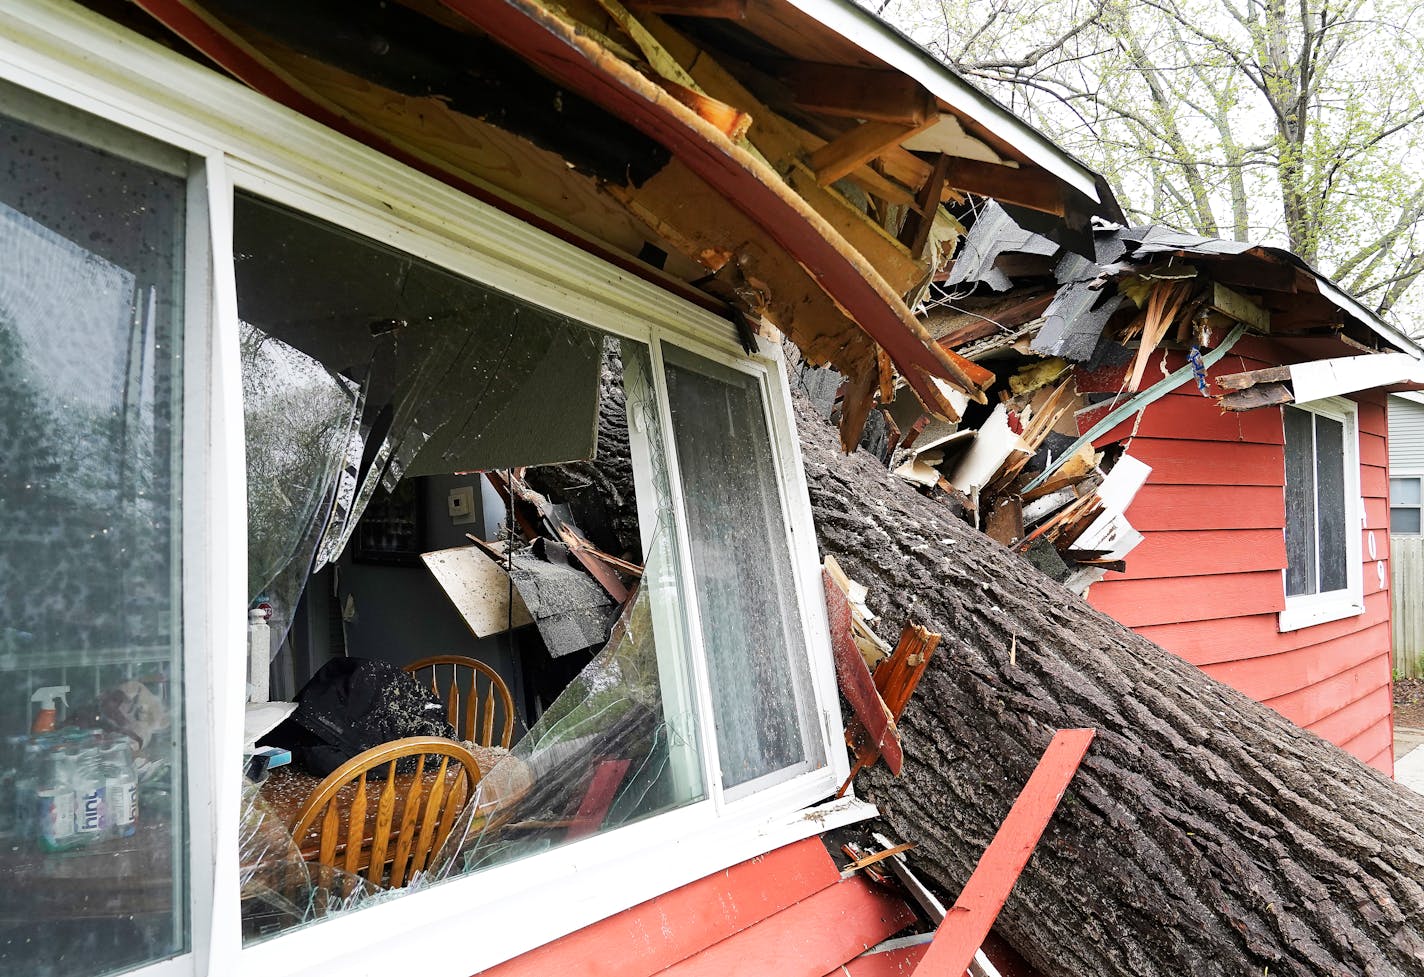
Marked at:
<point>1204,834</point>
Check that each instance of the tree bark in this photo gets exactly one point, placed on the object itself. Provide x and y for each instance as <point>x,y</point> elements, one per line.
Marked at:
<point>1204,834</point>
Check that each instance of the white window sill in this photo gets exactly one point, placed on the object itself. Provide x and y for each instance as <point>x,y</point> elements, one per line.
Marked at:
<point>469,924</point>
<point>1309,610</point>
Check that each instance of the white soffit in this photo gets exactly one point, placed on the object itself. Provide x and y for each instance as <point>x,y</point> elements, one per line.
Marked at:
<point>948,136</point>
<point>1349,374</point>
<point>873,35</point>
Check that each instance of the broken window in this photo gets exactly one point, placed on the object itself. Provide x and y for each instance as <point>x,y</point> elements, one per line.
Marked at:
<point>92,786</point>
<point>437,468</point>
<point>1321,510</point>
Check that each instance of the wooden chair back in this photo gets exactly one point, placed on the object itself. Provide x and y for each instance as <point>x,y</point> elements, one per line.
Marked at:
<point>458,682</point>
<point>414,809</point>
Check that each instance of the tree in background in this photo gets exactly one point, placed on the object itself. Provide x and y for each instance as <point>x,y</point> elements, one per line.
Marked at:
<point>1287,123</point>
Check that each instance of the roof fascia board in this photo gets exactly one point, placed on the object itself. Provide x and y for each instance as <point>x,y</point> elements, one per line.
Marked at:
<point>1348,303</point>
<point>1319,379</point>
<point>875,36</point>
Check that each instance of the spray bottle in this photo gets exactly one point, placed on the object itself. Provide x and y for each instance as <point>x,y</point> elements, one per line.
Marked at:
<point>44,719</point>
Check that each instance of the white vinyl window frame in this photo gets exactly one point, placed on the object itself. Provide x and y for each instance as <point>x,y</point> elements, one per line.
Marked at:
<point>1306,610</point>
<point>1415,475</point>
<point>240,140</point>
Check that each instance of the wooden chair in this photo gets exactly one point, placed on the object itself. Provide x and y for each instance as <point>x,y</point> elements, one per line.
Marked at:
<point>454,678</point>
<point>414,809</point>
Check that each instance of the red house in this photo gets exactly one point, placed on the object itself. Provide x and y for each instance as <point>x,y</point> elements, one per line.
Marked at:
<point>1263,554</point>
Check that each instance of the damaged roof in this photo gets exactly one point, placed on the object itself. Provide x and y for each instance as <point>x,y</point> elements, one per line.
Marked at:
<point>783,161</point>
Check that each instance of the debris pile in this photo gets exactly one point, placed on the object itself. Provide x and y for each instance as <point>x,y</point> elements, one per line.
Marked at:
<point>1078,335</point>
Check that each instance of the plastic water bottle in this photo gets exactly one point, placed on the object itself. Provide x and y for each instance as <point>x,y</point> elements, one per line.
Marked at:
<point>120,789</point>
<point>89,822</point>
<point>34,762</point>
<point>54,802</point>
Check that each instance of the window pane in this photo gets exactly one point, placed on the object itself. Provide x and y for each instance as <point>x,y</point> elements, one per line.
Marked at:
<point>1404,491</point>
<point>1330,505</point>
<point>1404,522</point>
<point>1300,502</point>
<point>750,620</point>
<point>91,298</point>
<point>392,408</point>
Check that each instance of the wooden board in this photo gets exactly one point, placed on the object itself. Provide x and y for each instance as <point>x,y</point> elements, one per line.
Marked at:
<point>1166,507</point>
<point>1189,417</point>
<point>1351,720</point>
<point>478,587</point>
<point>969,920</point>
<point>899,962</point>
<point>808,939</point>
<point>1272,676</point>
<point>658,933</point>
<point>1204,598</point>
<point>1191,553</point>
<point>1182,462</point>
<point>1208,642</point>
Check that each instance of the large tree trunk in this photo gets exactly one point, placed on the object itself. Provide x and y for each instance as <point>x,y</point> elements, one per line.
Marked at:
<point>1204,834</point>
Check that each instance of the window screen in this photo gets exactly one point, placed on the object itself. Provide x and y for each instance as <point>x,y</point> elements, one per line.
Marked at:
<point>1317,512</point>
<point>750,620</point>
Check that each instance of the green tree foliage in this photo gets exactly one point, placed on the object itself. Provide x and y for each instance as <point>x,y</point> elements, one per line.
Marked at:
<point>1289,123</point>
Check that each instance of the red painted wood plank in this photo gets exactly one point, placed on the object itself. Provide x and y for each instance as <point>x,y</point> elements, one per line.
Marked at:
<point>1234,639</point>
<point>1110,379</point>
<point>1356,717</point>
<point>1374,482</point>
<point>658,933</point>
<point>1180,462</point>
<point>881,737</point>
<point>1383,761</point>
<point>1373,450</point>
<point>1205,598</point>
<point>900,962</point>
<point>971,917</point>
<point>1207,507</point>
<point>1194,553</point>
<point>1373,415</point>
<point>1369,742</point>
<point>1377,514</point>
<point>1195,418</point>
<point>598,798</point>
<point>1272,676</point>
<point>808,939</point>
<point>1307,707</point>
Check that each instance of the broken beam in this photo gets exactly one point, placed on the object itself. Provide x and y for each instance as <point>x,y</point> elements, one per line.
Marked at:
<point>845,154</point>
<point>918,223</point>
<point>710,9</point>
<point>1025,186</point>
<point>969,920</point>
<point>868,94</point>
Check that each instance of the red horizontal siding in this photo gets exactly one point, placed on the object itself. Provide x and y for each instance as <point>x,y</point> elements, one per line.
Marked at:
<point>1266,677</point>
<point>1206,643</point>
<point>1372,742</point>
<point>1184,462</point>
<point>1195,418</point>
<point>1356,717</point>
<point>1308,706</point>
<point>1206,582</point>
<point>656,934</point>
<point>1185,507</point>
<point>1204,598</point>
<point>809,939</point>
<point>1190,553</point>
